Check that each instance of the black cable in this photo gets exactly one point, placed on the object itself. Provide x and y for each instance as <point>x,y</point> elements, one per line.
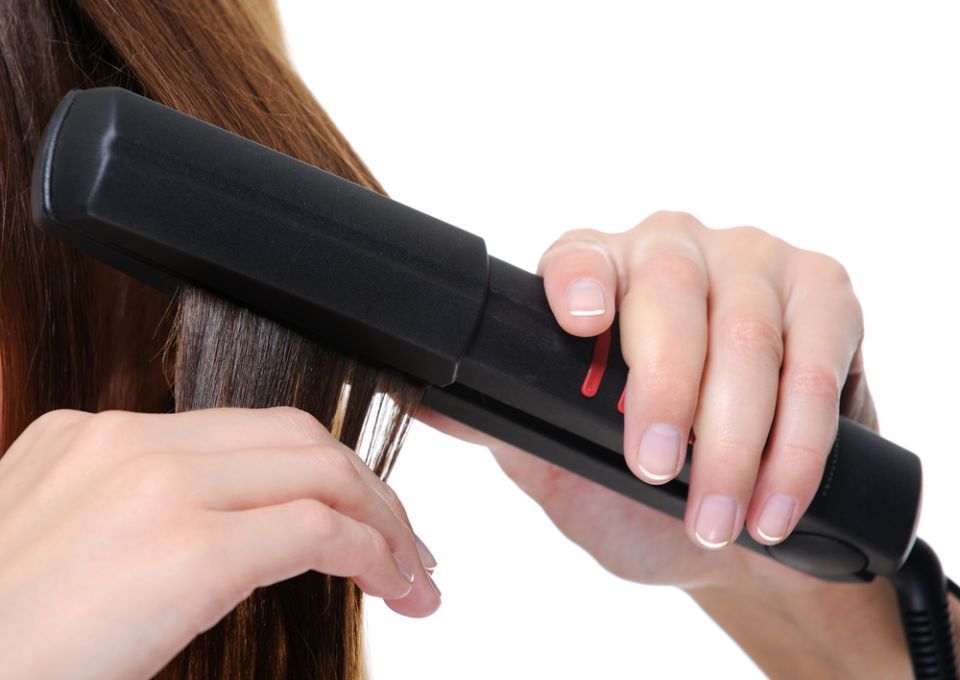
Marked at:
<point>922,596</point>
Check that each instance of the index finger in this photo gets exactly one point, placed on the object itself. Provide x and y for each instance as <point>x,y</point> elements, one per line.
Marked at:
<point>579,278</point>
<point>218,429</point>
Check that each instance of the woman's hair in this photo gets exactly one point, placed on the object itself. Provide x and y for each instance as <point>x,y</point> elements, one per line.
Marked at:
<point>75,334</point>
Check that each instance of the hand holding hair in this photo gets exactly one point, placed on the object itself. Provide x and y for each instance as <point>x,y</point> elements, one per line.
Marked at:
<point>145,530</point>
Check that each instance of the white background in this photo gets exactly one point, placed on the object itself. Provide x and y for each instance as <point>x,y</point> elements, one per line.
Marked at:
<point>832,125</point>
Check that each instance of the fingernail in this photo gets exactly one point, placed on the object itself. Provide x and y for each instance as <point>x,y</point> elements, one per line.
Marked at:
<point>714,527</point>
<point>659,455</point>
<point>404,569</point>
<point>429,561</point>
<point>775,517</point>
<point>434,585</point>
<point>585,298</point>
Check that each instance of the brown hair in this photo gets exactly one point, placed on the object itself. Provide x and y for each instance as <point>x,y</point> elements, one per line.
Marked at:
<point>74,334</point>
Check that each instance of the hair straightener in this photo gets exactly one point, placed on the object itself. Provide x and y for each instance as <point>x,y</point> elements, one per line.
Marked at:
<point>169,199</point>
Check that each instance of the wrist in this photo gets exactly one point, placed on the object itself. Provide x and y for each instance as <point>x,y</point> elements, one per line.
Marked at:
<point>797,626</point>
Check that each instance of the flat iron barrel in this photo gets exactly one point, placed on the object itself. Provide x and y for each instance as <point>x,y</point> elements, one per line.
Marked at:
<point>156,189</point>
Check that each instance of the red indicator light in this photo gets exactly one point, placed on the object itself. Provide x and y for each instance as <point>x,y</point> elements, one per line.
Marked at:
<point>598,364</point>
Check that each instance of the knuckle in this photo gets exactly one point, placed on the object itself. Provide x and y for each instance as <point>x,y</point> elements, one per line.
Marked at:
<point>800,452</point>
<point>49,431</point>
<point>748,233</point>
<point>814,381</point>
<point>316,519</point>
<point>761,246</point>
<point>753,335</point>
<point>303,422</point>
<point>106,431</point>
<point>109,422</point>
<point>332,462</point>
<point>57,420</point>
<point>672,219</point>
<point>577,235</point>
<point>672,269</point>
<point>663,381</point>
<point>825,269</point>
<point>576,243</point>
<point>731,451</point>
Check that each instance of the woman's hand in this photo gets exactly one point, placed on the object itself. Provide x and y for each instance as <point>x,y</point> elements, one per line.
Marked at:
<point>755,346</point>
<point>733,333</point>
<point>123,536</point>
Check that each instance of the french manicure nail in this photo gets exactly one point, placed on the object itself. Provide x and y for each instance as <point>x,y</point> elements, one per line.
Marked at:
<point>585,298</point>
<point>775,517</point>
<point>403,568</point>
<point>426,557</point>
<point>659,455</point>
<point>714,525</point>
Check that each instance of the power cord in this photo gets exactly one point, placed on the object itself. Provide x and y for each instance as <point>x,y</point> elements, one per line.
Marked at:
<point>922,595</point>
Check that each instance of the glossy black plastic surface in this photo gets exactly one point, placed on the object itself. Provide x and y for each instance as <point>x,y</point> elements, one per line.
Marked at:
<point>168,198</point>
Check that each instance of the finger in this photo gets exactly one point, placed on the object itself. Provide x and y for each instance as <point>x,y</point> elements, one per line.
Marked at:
<point>250,478</point>
<point>663,331</point>
<point>204,430</point>
<point>423,600</point>
<point>265,545</point>
<point>821,335</point>
<point>737,405</point>
<point>579,279</point>
<point>228,428</point>
<point>217,429</point>
<point>392,500</point>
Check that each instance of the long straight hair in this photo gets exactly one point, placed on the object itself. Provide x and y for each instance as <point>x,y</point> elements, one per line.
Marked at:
<point>75,334</point>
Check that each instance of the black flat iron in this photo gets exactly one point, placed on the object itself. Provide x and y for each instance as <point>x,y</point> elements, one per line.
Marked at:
<point>169,199</point>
